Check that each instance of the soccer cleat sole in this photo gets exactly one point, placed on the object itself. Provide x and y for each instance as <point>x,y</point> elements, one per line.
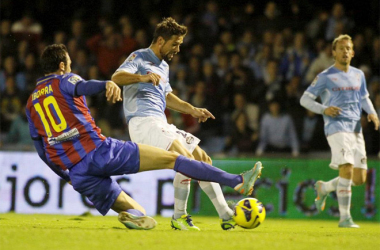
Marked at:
<point>137,222</point>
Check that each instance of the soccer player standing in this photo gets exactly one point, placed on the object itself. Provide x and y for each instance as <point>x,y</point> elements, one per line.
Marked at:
<point>146,95</point>
<point>69,142</point>
<point>344,94</point>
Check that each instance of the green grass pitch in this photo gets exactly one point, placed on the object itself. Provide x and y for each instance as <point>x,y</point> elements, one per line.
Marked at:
<point>55,232</point>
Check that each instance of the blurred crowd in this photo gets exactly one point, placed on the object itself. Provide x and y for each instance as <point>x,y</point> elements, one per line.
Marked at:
<point>246,64</point>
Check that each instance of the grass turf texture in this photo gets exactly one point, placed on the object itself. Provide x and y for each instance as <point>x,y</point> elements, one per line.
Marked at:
<point>57,232</point>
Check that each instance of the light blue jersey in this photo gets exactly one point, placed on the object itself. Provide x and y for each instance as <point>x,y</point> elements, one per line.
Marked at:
<point>145,99</point>
<point>343,90</point>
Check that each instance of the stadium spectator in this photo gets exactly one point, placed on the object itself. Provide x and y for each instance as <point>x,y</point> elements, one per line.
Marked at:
<point>27,29</point>
<point>270,20</point>
<point>361,51</point>
<point>7,44</point>
<point>338,22</point>
<point>77,33</point>
<point>18,137</point>
<point>9,70</point>
<point>312,135</point>
<point>81,64</point>
<point>108,48</point>
<point>251,111</point>
<point>60,37</point>
<point>296,59</point>
<point>316,28</point>
<point>29,74</point>
<point>277,132</point>
<point>242,137</point>
<point>10,104</point>
<point>237,80</point>
<point>272,86</point>
<point>375,56</point>
<point>324,60</point>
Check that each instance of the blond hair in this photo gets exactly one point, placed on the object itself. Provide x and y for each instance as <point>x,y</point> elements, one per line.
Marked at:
<point>340,38</point>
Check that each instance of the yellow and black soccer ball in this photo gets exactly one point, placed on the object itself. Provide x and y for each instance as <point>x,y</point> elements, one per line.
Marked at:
<point>249,213</point>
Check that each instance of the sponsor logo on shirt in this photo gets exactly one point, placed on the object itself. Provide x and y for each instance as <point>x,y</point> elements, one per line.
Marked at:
<point>67,136</point>
<point>346,88</point>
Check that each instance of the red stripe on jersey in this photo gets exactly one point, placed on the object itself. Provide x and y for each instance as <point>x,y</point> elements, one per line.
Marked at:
<point>80,104</point>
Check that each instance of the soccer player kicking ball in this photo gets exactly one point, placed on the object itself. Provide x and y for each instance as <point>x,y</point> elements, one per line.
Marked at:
<point>69,142</point>
<point>344,94</point>
<point>146,95</point>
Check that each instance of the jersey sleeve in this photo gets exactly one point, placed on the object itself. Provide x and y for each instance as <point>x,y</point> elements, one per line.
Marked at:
<point>32,128</point>
<point>69,82</point>
<point>317,86</point>
<point>363,87</point>
<point>132,64</point>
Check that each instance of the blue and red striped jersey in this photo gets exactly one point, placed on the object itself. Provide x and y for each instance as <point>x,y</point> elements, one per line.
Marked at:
<point>62,120</point>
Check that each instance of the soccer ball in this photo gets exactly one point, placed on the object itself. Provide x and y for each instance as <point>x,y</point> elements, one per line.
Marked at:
<point>249,213</point>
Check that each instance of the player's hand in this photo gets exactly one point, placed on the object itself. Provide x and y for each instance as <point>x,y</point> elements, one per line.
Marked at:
<point>373,118</point>
<point>202,114</point>
<point>332,111</point>
<point>113,92</point>
<point>153,78</point>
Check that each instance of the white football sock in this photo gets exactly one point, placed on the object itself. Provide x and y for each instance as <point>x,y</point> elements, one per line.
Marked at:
<point>343,193</point>
<point>181,185</point>
<point>215,193</point>
<point>331,185</point>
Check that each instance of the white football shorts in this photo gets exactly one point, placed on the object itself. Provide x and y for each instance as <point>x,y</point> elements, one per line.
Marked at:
<point>347,148</point>
<point>157,132</point>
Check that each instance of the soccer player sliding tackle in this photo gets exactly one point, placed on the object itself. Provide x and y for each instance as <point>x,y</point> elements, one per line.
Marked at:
<point>69,142</point>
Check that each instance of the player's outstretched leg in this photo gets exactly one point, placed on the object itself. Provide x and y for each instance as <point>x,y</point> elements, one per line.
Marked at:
<point>242,183</point>
<point>134,219</point>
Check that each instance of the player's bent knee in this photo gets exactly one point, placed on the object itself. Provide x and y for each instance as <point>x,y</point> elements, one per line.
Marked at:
<point>207,159</point>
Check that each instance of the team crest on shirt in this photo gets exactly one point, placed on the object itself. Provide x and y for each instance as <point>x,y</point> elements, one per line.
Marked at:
<point>131,58</point>
<point>189,139</point>
<point>314,82</point>
<point>74,79</point>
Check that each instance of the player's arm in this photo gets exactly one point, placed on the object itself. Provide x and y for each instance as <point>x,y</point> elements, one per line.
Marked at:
<point>176,104</point>
<point>315,89</point>
<point>92,87</point>
<point>309,103</point>
<point>75,86</point>
<point>125,78</point>
<point>372,115</point>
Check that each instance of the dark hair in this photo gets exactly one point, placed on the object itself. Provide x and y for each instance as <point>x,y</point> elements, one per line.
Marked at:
<point>168,28</point>
<point>52,56</point>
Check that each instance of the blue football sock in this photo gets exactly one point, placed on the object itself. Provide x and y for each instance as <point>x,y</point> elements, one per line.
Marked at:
<point>135,212</point>
<point>204,172</point>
